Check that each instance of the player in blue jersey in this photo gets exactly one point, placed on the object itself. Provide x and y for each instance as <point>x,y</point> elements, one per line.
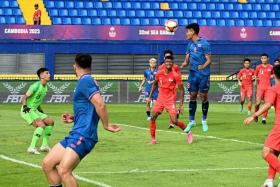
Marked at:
<point>149,78</point>
<point>89,107</point>
<point>198,56</point>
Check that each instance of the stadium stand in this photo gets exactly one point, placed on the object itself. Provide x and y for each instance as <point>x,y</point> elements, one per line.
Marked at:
<point>10,12</point>
<point>137,12</point>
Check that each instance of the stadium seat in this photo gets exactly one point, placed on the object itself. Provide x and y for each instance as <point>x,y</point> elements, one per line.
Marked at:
<point>275,7</point>
<point>144,21</point>
<point>183,6</point>
<point>4,3</point>
<point>121,13</point>
<point>106,21</point>
<point>238,7</point>
<point>257,7</point>
<point>53,12</point>
<point>169,14</point>
<point>230,22</point>
<point>178,14</point>
<point>66,21</point>
<point>197,14</point>
<point>96,21</point>
<point>206,14</point>
<point>1,12</point>
<point>63,12</point>
<point>10,20</point>
<point>211,6</point>
<point>183,22</point>
<point>154,21</point>
<point>8,11</point>
<point>267,23</point>
<point>16,12</point>
<point>150,13</point>
<point>201,6</point>
<point>82,12</point>
<point>220,6</point>
<point>79,4</point>
<point>188,14</point>
<point>247,7</point>
<point>57,21</point>
<point>136,5</point>
<point>98,5</point>
<point>59,4</point>
<point>192,6</point>
<point>88,4</point>
<point>145,5</point>
<point>86,21</point>
<point>126,5</point>
<point>2,20</point>
<point>20,20</point>
<point>92,13</point>
<point>202,22</point>
<point>117,5</point>
<point>155,5</point>
<point>258,23</point>
<point>135,21</point>
<point>102,13</point>
<point>262,15</point>
<point>14,4</point>
<point>239,22</point>
<point>140,13</point>
<point>266,7</point>
<point>229,6</point>
<point>216,15</point>
<point>125,21</point>
<point>271,15</point>
<point>249,23</point>
<point>69,4</point>
<point>211,22</point>
<point>116,21</point>
<point>276,23</point>
<point>112,13</point>
<point>159,13</point>
<point>107,5</point>
<point>174,6</point>
<point>253,15</point>
<point>132,13</point>
<point>234,15</point>
<point>73,12</point>
<point>76,21</point>
<point>244,15</point>
<point>50,4</point>
<point>221,22</point>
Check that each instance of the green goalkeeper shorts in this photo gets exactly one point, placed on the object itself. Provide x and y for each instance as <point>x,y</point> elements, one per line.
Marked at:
<point>32,115</point>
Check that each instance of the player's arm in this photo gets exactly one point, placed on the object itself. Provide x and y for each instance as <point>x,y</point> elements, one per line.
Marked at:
<point>40,109</point>
<point>186,61</point>
<point>207,63</point>
<point>101,110</point>
<point>25,108</point>
<point>263,109</point>
<point>181,94</point>
<point>239,78</point>
<point>142,84</point>
<point>153,89</point>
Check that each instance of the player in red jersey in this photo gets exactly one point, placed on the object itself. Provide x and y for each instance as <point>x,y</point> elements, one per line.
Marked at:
<point>263,73</point>
<point>271,147</point>
<point>167,81</point>
<point>245,80</point>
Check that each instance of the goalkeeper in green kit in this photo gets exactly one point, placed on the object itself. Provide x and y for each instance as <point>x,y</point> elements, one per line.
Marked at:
<point>33,114</point>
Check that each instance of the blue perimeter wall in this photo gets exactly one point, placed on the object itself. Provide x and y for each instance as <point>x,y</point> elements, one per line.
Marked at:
<point>51,48</point>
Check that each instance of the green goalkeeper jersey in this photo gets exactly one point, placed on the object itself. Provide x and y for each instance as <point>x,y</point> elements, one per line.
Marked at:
<point>37,94</point>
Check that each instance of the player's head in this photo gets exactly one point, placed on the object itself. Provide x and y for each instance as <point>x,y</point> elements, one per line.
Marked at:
<point>82,62</point>
<point>43,74</point>
<point>168,61</point>
<point>276,62</point>
<point>153,62</point>
<point>192,30</point>
<point>276,70</point>
<point>246,62</point>
<point>167,52</point>
<point>36,6</point>
<point>264,58</point>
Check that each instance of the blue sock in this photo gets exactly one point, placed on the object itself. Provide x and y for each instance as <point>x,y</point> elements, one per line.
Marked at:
<point>192,109</point>
<point>205,107</point>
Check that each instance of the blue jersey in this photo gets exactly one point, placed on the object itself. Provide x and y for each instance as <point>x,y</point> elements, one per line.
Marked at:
<point>85,116</point>
<point>150,78</point>
<point>197,51</point>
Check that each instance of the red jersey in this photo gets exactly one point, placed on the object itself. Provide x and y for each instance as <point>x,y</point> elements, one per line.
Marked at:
<point>263,73</point>
<point>246,75</point>
<point>37,15</point>
<point>167,85</point>
<point>175,68</point>
<point>273,97</point>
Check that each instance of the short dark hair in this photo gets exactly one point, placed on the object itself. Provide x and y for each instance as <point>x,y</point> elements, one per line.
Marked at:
<point>83,61</point>
<point>193,26</point>
<point>265,54</point>
<point>277,59</point>
<point>276,70</point>
<point>169,57</point>
<point>36,5</point>
<point>168,51</point>
<point>247,59</point>
<point>41,70</point>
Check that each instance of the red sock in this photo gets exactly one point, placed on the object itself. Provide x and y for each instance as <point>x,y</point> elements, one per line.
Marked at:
<point>273,162</point>
<point>153,129</point>
<point>271,172</point>
<point>264,115</point>
<point>181,125</point>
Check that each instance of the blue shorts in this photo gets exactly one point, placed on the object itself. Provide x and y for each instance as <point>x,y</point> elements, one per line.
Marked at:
<point>79,144</point>
<point>198,83</point>
<point>154,96</point>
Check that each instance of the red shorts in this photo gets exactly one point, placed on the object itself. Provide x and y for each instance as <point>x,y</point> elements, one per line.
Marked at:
<point>273,139</point>
<point>261,93</point>
<point>168,105</point>
<point>246,91</point>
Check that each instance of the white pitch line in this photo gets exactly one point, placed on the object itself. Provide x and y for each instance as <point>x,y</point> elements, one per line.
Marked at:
<point>170,170</point>
<point>101,184</point>
<point>204,136</point>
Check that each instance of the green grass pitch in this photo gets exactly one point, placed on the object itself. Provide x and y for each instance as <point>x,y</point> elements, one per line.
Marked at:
<point>228,155</point>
